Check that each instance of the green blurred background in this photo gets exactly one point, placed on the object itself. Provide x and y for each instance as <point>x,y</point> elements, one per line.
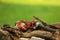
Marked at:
<point>14,10</point>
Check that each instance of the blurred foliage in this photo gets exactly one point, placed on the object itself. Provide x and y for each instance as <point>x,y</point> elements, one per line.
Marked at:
<point>10,13</point>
